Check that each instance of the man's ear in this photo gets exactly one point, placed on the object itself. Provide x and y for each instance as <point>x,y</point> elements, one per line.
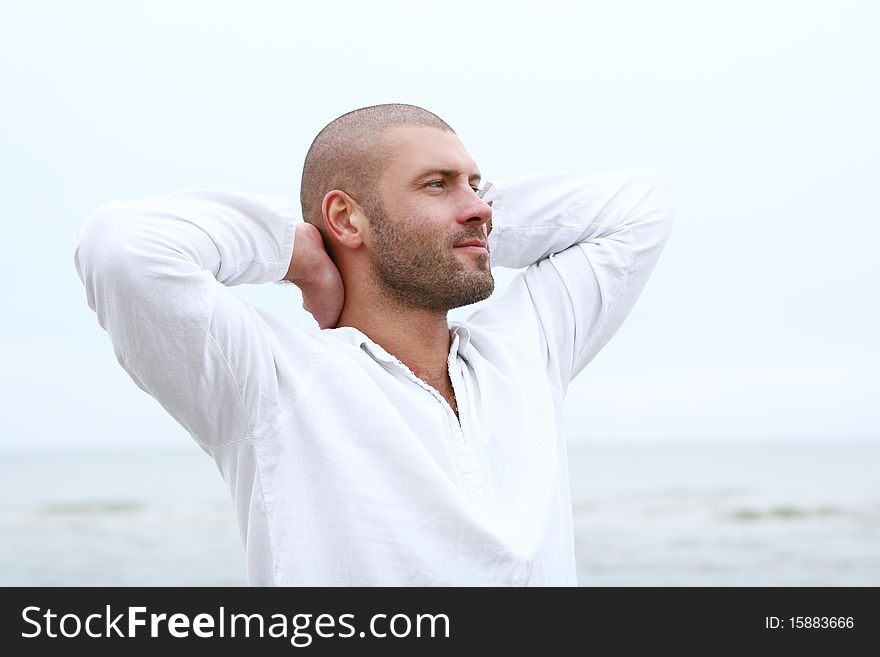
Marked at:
<point>344,218</point>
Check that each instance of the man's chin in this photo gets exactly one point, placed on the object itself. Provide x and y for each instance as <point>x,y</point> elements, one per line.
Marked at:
<point>478,262</point>
<point>477,293</point>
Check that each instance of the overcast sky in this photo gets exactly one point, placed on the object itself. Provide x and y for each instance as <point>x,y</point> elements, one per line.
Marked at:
<point>760,320</point>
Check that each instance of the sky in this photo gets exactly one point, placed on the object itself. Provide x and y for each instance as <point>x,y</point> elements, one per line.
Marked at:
<point>758,323</point>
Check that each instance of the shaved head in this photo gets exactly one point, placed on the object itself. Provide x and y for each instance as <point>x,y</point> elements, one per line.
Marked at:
<point>347,155</point>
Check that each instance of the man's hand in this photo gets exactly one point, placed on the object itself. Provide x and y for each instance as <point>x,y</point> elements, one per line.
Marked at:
<point>314,273</point>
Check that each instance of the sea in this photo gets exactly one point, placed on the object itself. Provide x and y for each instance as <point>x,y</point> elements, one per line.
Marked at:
<point>653,514</point>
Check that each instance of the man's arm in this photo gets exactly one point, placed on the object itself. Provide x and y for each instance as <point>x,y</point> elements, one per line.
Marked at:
<point>590,241</point>
<point>158,271</point>
<point>317,277</point>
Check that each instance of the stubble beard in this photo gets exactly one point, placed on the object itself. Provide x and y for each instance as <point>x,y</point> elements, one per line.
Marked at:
<point>421,270</point>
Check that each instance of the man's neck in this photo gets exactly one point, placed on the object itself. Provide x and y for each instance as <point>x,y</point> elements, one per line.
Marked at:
<point>419,338</point>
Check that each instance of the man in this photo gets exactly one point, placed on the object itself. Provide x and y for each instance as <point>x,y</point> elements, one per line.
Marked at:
<point>392,447</point>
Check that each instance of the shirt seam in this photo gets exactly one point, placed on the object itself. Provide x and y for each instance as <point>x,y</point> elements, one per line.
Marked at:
<point>610,309</point>
<point>258,468</point>
<point>255,431</point>
<point>268,425</point>
<point>231,373</point>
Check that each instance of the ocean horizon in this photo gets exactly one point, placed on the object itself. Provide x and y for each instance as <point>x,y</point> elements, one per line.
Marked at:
<point>778,514</point>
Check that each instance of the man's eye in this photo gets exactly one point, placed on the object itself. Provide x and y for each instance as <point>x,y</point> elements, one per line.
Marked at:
<point>435,183</point>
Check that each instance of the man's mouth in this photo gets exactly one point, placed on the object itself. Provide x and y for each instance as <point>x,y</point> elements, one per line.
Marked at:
<point>473,246</point>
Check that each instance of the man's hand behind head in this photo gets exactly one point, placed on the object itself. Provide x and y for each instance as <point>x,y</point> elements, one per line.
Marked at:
<point>317,277</point>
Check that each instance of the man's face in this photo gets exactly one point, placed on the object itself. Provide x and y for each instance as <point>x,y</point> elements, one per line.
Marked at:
<point>428,226</point>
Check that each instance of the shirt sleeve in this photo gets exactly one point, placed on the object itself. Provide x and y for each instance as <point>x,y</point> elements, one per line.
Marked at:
<point>157,274</point>
<point>589,241</point>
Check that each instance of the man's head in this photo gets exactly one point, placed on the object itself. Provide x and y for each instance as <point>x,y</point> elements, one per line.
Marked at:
<point>393,192</point>
<point>348,155</point>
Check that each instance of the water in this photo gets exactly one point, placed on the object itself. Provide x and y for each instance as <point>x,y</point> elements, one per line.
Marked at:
<point>136,518</point>
<point>732,515</point>
<point>658,515</point>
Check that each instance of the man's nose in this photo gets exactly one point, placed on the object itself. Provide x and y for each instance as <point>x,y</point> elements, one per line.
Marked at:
<point>476,212</point>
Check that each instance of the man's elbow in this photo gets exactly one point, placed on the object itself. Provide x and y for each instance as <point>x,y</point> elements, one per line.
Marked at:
<point>103,250</point>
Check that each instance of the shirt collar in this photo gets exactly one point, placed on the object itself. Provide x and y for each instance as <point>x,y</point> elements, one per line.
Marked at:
<point>461,338</point>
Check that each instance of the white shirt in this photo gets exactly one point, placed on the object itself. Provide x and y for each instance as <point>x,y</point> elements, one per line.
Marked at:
<point>344,467</point>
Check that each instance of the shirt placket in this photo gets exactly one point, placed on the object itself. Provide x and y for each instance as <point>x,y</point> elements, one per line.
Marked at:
<point>459,429</point>
<point>462,438</point>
